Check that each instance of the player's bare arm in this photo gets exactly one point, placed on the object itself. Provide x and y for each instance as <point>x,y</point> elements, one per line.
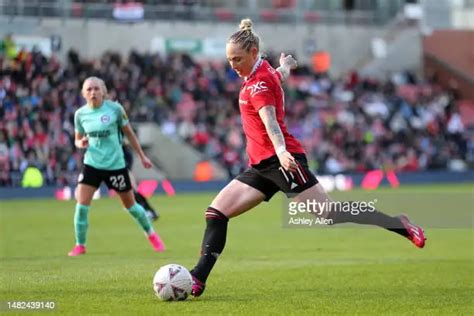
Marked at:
<point>132,138</point>
<point>287,63</point>
<point>268,116</point>
<point>80,141</point>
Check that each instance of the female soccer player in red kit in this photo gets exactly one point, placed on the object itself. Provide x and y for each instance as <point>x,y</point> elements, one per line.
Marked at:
<point>276,158</point>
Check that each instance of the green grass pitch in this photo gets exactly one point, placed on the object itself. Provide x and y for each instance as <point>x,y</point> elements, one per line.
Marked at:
<point>265,268</point>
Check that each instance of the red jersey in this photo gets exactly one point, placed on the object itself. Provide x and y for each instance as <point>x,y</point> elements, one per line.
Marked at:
<point>262,88</point>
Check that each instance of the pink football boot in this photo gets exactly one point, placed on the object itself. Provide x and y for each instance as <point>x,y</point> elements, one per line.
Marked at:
<point>156,242</point>
<point>77,251</point>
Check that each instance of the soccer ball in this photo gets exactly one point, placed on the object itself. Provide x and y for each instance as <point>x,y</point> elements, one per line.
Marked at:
<point>172,282</point>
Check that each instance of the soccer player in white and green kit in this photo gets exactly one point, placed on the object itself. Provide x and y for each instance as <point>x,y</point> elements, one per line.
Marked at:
<point>99,125</point>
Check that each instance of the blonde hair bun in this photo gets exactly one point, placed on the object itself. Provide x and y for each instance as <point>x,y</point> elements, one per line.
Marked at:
<point>246,25</point>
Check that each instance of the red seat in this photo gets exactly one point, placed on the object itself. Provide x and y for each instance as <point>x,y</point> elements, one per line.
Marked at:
<point>223,14</point>
<point>311,16</point>
<point>268,15</point>
<point>76,9</point>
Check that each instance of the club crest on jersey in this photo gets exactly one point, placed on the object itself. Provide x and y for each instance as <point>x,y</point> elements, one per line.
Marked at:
<point>257,88</point>
<point>105,119</point>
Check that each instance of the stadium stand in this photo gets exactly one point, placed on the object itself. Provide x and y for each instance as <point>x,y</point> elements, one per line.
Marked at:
<point>351,124</point>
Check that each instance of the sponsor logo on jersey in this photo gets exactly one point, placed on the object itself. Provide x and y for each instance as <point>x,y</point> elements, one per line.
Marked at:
<point>99,134</point>
<point>243,102</point>
<point>257,87</point>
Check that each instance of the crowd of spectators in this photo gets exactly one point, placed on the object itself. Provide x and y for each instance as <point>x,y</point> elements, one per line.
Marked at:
<point>350,124</point>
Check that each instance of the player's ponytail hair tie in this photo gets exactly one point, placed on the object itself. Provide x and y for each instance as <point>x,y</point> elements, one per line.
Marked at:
<point>246,25</point>
<point>246,38</point>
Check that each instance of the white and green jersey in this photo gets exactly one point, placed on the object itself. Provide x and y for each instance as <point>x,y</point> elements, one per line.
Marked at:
<point>102,126</point>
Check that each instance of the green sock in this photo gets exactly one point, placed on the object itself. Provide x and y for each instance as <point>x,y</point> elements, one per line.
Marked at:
<point>80,223</point>
<point>138,212</point>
